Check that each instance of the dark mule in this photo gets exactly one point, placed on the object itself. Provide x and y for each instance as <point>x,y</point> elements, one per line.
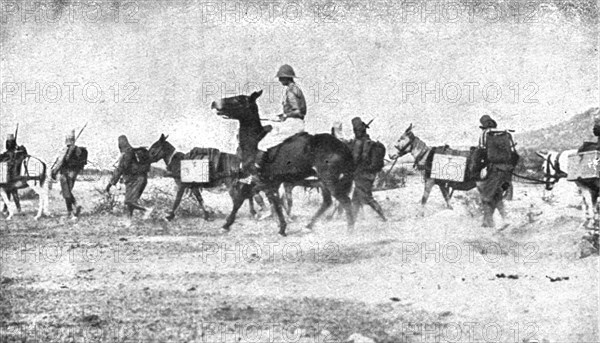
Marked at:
<point>409,143</point>
<point>32,174</point>
<point>297,158</point>
<point>228,171</point>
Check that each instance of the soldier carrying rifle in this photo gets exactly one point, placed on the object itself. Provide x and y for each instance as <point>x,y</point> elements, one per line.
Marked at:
<point>69,164</point>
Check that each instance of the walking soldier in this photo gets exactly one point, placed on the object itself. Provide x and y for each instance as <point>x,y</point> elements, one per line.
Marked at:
<point>365,173</point>
<point>69,164</point>
<point>134,170</point>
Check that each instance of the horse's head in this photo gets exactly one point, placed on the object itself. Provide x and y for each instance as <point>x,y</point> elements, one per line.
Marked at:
<point>404,143</point>
<point>240,107</point>
<point>552,172</point>
<point>160,149</point>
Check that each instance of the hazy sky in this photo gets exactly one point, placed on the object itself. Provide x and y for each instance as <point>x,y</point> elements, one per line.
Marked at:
<point>154,67</point>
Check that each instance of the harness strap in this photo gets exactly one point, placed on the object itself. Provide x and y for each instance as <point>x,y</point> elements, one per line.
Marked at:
<point>421,156</point>
<point>171,157</point>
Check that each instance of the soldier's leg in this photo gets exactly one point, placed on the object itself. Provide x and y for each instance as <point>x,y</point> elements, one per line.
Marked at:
<point>16,199</point>
<point>356,198</point>
<point>72,177</point>
<point>66,192</point>
<point>368,198</point>
<point>488,213</point>
<point>134,187</point>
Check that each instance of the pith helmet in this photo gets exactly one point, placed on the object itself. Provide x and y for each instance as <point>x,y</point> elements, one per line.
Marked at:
<point>70,138</point>
<point>10,137</point>
<point>487,122</point>
<point>286,71</point>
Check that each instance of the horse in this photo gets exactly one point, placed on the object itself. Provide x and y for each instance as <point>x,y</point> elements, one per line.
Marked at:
<point>297,158</point>
<point>32,169</point>
<point>409,143</point>
<point>227,173</point>
<point>555,166</point>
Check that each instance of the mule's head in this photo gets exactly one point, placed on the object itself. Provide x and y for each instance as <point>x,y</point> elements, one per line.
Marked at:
<point>160,149</point>
<point>240,107</point>
<point>549,168</point>
<point>404,143</point>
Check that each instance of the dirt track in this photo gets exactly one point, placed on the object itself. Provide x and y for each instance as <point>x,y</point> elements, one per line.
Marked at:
<point>433,279</point>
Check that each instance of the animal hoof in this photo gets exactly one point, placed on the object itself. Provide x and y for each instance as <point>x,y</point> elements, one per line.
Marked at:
<point>36,218</point>
<point>282,234</point>
<point>225,230</point>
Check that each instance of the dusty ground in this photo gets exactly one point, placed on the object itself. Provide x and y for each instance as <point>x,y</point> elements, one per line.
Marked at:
<point>433,279</point>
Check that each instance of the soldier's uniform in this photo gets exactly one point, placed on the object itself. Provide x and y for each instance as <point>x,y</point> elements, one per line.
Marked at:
<point>135,177</point>
<point>14,156</point>
<point>363,178</point>
<point>497,184</point>
<point>68,175</point>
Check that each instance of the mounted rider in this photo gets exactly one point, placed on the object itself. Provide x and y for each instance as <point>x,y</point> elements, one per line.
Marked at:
<point>69,164</point>
<point>288,123</point>
<point>364,176</point>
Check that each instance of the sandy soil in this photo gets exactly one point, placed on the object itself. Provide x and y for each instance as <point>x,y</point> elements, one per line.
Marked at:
<point>437,278</point>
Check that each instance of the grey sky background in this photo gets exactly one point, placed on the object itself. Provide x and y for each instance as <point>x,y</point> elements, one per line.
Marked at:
<point>159,65</point>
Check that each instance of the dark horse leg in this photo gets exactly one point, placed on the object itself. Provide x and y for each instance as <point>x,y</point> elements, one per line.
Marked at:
<point>288,199</point>
<point>251,207</point>
<point>273,196</point>
<point>327,201</point>
<point>446,193</point>
<point>196,192</point>
<point>340,190</point>
<point>180,190</point>
<point>238,192</point>
<point>429,183</point>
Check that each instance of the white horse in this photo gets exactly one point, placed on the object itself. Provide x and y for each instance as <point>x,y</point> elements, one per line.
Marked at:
<point>556,166</point>
<point>33,175</point>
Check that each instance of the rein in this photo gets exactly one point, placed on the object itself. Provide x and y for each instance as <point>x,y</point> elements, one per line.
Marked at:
<point>534,181</point>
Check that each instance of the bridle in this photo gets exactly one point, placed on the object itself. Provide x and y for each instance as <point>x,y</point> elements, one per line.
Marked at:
<point>408,147</point>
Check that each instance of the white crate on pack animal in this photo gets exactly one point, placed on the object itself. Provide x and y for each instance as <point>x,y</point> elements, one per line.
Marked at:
<point>3,172</point>
<point>585,165</point>
<point>449,167</point>
<point>195,171</point>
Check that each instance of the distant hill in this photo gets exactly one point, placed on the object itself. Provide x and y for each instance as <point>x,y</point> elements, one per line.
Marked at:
<point>566,135</point>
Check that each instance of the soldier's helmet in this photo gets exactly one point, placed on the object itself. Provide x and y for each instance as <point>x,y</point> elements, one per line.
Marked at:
<point>286,71</point>
<point>358,125</point>
<point>487,122</point>
<point>70,138</point>
<point>11,142</point>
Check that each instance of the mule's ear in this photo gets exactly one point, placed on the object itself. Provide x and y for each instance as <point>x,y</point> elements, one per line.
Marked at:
<point>162,137</point>
<point>541,154</point>
<point>409,128</point>
<point>256,95</point>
